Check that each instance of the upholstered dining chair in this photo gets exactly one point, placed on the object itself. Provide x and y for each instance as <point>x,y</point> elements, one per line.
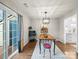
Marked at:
<point>47,45</point>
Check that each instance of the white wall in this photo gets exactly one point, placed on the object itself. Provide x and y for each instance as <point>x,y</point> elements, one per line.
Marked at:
<point>52,27</point>
<point>26,24</point>
<point>18,9</point>
<point>61,30</point>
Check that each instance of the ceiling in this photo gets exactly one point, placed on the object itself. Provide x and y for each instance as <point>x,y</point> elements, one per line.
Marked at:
<point>56,8</point>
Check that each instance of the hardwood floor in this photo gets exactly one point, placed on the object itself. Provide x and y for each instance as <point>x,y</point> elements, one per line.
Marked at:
<point>67,49</point>
<point>27,52</point>
<point>1,50</point>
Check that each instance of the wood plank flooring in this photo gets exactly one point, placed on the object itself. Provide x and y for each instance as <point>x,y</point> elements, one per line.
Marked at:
<point>27,52</point>
<point>1,50</point>
<point>68,50</point>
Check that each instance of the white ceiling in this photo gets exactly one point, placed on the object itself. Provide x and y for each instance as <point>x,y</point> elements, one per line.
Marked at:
<point>55,8</point>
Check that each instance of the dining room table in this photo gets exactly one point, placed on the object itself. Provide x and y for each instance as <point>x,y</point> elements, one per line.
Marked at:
<point>48,37</point>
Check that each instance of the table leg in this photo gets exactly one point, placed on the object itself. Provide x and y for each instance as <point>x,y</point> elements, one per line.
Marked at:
<point>54,47</point>
<point>40,46</point>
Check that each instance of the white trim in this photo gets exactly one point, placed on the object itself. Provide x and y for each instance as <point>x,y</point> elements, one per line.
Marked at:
<point>13,54</point>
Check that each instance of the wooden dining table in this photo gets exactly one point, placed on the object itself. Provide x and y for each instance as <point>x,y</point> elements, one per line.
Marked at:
<point>48,37</point>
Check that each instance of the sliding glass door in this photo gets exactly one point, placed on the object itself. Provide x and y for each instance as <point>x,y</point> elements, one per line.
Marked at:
<point>12,22</point>
<point>10,33</point>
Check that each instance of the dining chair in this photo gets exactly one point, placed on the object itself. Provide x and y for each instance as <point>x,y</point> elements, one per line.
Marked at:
<point>47,45</point>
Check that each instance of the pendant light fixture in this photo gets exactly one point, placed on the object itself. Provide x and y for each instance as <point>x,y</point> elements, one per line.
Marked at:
<point>46,20</point>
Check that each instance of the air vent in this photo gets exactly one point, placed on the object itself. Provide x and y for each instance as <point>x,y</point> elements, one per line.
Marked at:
<point>26,5</point>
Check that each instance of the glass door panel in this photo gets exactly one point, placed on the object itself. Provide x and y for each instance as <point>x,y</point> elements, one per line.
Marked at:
<point>13,38</point>
<point>1,34</point>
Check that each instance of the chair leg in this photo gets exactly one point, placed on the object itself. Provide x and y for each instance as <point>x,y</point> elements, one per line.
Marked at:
<point>50,53</point>
<point>44,52</point>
